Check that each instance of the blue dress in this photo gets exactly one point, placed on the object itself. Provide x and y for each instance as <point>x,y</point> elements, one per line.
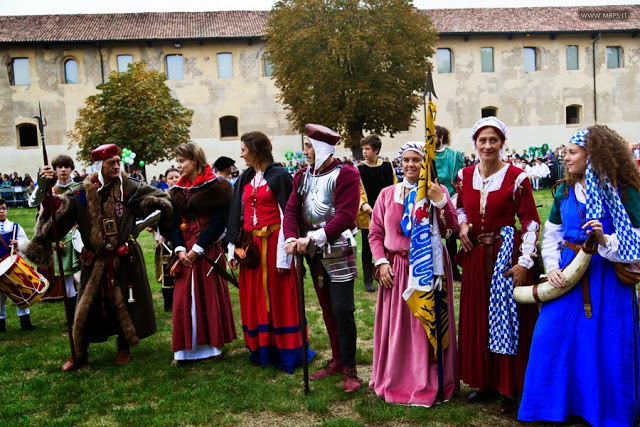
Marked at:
<point>580,366</point>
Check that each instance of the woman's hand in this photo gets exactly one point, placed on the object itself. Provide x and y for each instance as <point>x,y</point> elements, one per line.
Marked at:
<point>193,256</point>
<point>519,274</point>
<point>386,275</point>
<point>184,260</point>
<point>596,227</point>
<point>463,235</point>
<point>435,193</point>
<point>557,279</point>
<point>233,264</point>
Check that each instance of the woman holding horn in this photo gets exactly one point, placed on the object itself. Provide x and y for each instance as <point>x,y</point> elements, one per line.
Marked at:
<point>585,354</point>
<point>494,333</point>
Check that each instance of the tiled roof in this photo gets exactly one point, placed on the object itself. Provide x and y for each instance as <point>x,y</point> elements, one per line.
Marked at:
<point>132,26</point>
<point>251,24</point>
<point>535,19</point>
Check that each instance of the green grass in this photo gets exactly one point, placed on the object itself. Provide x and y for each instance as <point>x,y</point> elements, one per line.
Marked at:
<point>148,391</point>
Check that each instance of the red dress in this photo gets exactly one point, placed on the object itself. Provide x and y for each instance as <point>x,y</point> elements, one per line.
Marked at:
<point>272,337</point>
<point>480,368</point>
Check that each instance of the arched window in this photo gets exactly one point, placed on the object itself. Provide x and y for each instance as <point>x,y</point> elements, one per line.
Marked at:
<point>71,71</point>
<point>175,67</point>
<point>531,58</point>
<point>19,73</point>
<point>445,61</point>
<point>268,66</point>
<point>27,135</point>
<point>123,62</point>
<point>489,111</point>
<point>228,127</point>
<point>573,113</point>
<point>225,65</point>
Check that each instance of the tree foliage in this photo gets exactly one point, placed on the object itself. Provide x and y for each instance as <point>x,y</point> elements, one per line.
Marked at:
<point>134,110</point>
<point>352,65</point>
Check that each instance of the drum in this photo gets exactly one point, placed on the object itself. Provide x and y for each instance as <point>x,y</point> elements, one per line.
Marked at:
<point>21,282</point>
<point>76,241</point>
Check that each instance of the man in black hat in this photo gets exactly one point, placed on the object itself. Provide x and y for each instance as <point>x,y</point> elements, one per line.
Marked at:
<point>224,168</point>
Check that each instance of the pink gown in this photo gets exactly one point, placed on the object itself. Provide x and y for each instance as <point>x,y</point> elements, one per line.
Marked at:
<point>405,370</point>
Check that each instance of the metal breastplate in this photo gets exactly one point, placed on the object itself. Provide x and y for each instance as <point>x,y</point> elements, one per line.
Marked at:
<point>318,199</point>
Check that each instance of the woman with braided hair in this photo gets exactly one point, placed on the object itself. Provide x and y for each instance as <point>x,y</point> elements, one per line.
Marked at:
<point>585,353</point>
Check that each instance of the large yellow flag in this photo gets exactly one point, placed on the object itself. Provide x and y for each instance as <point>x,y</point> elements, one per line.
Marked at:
<point>426,294</point>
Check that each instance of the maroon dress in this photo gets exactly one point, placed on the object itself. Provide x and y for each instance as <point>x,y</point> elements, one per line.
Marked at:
<point>200,217</point>
<point>479,367</point>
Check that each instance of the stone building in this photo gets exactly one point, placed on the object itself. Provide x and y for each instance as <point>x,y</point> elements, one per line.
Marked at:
<point>534,68</point>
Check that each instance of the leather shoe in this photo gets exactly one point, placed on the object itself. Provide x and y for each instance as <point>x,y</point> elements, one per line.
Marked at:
<point>480,396</point>
<point>350,380</point>
<point>333,367</point>
<point>123,357</point>
<point>369,287</point>
<point>69,366</point>
<point>508,405</point>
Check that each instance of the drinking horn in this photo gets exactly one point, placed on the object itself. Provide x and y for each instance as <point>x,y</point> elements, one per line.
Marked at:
<point>573,272</point>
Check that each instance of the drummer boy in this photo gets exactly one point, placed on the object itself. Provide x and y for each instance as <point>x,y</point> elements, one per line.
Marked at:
<point>11,234</point>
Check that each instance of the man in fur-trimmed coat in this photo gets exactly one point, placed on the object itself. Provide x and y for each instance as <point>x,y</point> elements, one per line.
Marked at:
<point>114,296</point>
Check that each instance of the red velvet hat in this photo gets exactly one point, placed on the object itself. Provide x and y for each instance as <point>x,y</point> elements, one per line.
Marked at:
<point>105,152</point>
<point>321,133</point>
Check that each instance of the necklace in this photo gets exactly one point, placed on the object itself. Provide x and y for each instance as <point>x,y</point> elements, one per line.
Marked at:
<point>254,201</point>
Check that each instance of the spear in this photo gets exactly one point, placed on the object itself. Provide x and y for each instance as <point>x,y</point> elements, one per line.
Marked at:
<point>42,122</point>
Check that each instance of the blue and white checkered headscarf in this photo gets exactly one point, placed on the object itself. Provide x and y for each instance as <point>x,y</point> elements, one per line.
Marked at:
<point>599,192</point>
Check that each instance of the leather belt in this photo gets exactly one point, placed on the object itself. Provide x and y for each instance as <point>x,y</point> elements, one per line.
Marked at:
<point>584,281</point>
<point>487,240</point>
<point>264,234</point>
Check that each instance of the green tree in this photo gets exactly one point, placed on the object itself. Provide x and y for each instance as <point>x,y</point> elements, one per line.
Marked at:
<point>352,65</point>
<point>134,110</point>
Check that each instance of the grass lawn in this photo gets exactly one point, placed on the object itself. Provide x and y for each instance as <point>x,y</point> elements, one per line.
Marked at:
<point>149,391</point>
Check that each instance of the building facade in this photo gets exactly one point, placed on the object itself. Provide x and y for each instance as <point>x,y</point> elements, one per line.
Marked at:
<point>532,67</point>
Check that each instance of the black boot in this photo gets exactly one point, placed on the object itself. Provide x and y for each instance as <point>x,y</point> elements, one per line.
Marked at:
<point>367,273</point>
<point>167,295</point>
<point>25,323</point>
<point>2,325</point>
<point>70,308</point>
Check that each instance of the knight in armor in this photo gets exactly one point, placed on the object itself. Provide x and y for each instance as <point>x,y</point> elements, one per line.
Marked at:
<point>12,234</point>
<point>63,166</point>
<point>319,221</point>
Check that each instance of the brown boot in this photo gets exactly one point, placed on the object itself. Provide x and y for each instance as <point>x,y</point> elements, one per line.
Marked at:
<point>334,367</point>
<point>350,379</point>
<point>69,366</point>
<point>123,357</point>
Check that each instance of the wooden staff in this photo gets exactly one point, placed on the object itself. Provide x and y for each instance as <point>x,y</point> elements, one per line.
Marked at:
<point>303,326</point>
<point>42,122</point>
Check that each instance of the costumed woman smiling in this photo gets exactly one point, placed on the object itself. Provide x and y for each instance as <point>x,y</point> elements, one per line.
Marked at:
<point>202,313</point>
<point>494,333</point>
<point>587,361</point>
<point>268,292</point>
<point>404,368</point>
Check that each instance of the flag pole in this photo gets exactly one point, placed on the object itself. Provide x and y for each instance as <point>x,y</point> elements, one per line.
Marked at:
<point>429,148</point>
